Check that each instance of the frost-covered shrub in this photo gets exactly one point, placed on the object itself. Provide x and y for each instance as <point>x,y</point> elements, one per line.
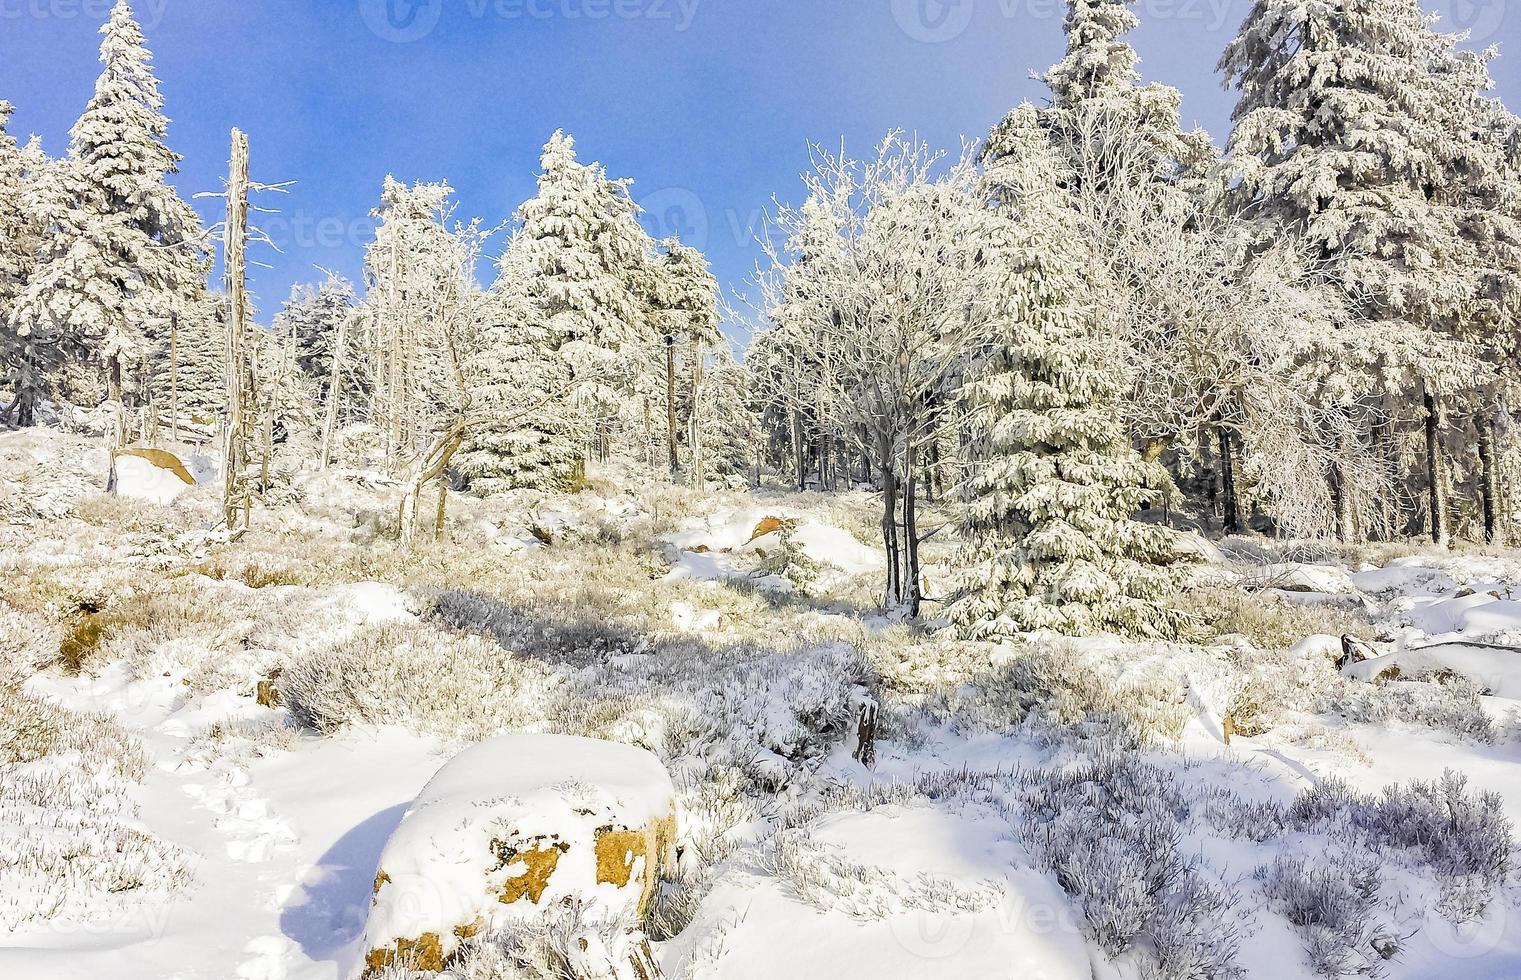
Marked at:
<point>1465,839</point>
<point>786,559</point>
<point>1110,831</point>
<point>446,684</point>
<point>566,943</point>
<point>819,874</point>
<point>1059,684</point>
<point>533,633</point>
<point>70,847</point>
<point>1332,901</point>
<point>28,643</point>
<point>1266,622</point>
<point>1451,704</point>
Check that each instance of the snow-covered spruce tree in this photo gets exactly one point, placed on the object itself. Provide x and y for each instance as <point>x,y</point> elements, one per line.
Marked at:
<point>686,315</point>
<point>1495,324</point>
<point>1050,536</point>
<point>730,432</point>
<point>1098,78</point>
<point>122,250</point>
<point>589,282</point>
<point>418,286</point>
<point>512,363</point>
<point>313,312</point>
<point>197,387</point>
<point>26,356</point>
<point>1354,129</point>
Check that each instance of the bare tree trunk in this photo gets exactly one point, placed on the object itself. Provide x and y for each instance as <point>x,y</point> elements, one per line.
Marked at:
<point>894,593</point>
<point>799,450</point>
<point>670,404</point>
<point>1436,490</point>
<point>1230,521</point>
<point>237,502</point>
<point>694,422</point>
<point>1488,477</point>
<point>914,590</point>
<point>174,378</point>
<point>334,391</point>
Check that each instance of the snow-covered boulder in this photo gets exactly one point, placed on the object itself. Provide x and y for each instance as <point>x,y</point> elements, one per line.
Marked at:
<point>1297,577</point>
<point>1493,669</point>
<point>512,828</point>
<point>155,475</point>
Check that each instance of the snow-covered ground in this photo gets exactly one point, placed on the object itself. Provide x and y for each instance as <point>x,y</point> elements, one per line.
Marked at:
<point>209,742</point>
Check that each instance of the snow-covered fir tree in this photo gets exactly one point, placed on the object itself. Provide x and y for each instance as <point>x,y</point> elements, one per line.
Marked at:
<point>513,366</point>
<point>1051,538</point>
<point>1356,129</point>
<point>589,280</point>
<point>729,429</point>
<point>686,314</point>
<point>189,373</point>
<point>419,282</point>
<point>26,356</point>
<point>1097,80</point>
<point>313,313</point>
<point>122,249</point>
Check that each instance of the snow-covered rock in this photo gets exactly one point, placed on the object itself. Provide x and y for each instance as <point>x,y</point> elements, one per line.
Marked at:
<point>154,475</point>
<point>513,827</point>
<point>1494,669</point>
<point>1297,577</point>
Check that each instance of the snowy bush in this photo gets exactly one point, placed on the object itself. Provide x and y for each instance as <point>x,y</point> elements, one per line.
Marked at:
<point>532,633</point>
<point>821,875</point>
<point>1332,900</point>
<point>566,943</point>
<point>1266,622</point>
<point>451,685</point>
<point>68,844</point>
<point>1110,831</point>
<point>1451,704</point>
<point>1059,683</point>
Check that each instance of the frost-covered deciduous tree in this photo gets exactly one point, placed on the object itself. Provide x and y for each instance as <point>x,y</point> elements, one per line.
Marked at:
<point>1051,541</point>
<point>121,249</point>
<point>872,288</point>
<point>512,359</point>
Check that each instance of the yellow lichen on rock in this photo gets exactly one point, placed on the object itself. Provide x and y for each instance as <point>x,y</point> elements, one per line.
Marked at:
<point>540,862</point>
<point>164,460</point>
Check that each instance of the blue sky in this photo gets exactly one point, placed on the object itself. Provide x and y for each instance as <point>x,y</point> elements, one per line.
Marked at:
<point>707,104</point>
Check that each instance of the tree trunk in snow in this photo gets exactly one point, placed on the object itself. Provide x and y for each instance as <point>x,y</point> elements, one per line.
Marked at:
<point>334,391</point>
<point>913,589</point>
<point>670,404</point>
<point>1230,520</point>
<point>1488,478</point>
<point>894,592</point>
<point>1436,491</point>
<point>237,502</point>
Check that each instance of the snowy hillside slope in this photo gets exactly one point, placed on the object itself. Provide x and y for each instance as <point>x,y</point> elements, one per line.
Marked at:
<point>261,713</point>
